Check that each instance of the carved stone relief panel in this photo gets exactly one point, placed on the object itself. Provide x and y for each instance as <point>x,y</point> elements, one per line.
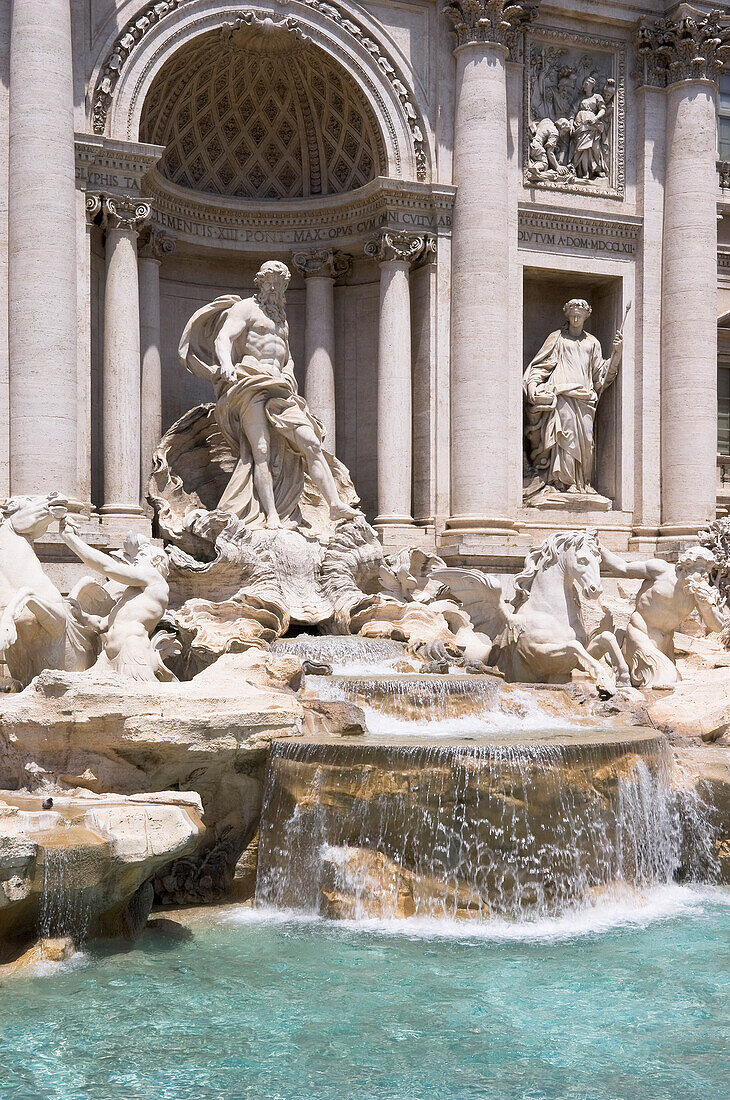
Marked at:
<point>573,128</point>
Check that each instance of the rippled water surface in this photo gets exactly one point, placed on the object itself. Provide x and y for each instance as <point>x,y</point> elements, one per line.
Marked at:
<point>628,1001</point>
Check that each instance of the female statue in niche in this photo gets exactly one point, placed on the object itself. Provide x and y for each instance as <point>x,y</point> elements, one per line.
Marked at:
<point>588,129</point>
<point>562,386</point>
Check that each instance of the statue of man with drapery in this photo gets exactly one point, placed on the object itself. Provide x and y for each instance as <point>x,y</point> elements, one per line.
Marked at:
<point>562,386</point>
<point>241,346</point>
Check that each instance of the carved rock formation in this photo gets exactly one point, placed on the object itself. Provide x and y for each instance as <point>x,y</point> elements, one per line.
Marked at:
<point>78,868</point>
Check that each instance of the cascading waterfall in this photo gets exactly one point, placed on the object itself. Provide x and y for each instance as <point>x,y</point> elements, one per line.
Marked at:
<point>346,653</point>
<point>466,798</point>
<point>64,910</point>
<point>519,831</point>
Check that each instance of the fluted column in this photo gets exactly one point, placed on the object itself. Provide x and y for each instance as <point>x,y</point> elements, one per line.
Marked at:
<point>152,247</point>
<point>395,252</point>
<point>320,269</point>
<point>486,410</point>
<point>684,53</point>
<point>42,251</point>
<point>124,218</point>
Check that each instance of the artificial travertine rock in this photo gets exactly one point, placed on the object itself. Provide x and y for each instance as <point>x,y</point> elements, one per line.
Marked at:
<point>562,386</point>
<point>73,865</point>
<point>105,733</point>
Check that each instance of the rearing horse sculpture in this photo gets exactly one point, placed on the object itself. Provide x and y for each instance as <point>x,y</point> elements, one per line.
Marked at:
<point>39,627</point>
<point>542,638</point>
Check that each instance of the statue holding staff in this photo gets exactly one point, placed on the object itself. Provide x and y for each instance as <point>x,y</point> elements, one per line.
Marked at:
<point>562,386</point>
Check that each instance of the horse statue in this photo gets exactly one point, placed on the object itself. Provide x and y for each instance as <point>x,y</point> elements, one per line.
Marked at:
<point>39,627</point>
<point>540,637</point>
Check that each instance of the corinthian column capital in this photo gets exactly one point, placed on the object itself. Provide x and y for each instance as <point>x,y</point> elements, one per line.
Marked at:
<point>323,262</point>
<point>688,45</point>
<point>126,212</point>
<point>495,22</point>
<point>391,245</point>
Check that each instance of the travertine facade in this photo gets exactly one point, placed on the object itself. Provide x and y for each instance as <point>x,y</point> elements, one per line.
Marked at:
<point>441,177</point>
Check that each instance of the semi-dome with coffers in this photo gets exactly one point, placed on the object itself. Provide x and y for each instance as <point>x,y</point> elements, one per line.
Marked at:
<point>257,111</point>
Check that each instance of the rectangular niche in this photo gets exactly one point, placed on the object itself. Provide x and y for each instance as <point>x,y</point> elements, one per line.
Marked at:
<point>556,65</point>
<point>544,295</point>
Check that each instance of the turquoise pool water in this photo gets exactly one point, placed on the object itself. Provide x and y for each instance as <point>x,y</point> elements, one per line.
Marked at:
<point>628,1001</point>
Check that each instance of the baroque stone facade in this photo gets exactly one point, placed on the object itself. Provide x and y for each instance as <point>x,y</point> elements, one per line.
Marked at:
<point>441,179</point>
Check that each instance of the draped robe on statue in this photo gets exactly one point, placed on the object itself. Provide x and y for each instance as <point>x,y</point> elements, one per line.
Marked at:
<point>285,410</point>
<point>560,440</point>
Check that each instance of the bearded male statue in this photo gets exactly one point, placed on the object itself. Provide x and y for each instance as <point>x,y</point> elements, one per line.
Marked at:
<point>562,386</point>
<point>241,345</point>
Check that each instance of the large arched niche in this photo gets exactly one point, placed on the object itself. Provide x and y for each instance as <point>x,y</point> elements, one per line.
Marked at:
<point>125,74</point>
<point>256,111</point>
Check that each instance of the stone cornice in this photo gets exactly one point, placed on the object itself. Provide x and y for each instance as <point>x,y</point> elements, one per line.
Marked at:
<point>389,246</point>
<point>688,45</point>
<point>548,230</point>
<point>493,22</point>
<point>115,167</point>
<point>345,220</point>
<point>323,263</point>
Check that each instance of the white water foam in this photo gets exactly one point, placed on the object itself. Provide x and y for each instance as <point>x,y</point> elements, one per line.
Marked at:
<point>518,712</point>
<point>613,912</point>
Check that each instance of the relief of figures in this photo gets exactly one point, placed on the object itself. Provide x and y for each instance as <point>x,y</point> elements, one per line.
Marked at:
<point>571,105</point>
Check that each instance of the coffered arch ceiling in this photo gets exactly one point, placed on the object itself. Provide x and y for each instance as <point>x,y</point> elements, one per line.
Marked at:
<point>258,112</point>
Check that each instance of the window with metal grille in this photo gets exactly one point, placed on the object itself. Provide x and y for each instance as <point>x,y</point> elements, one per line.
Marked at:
<point>723,410</point>
<point>723,118</point>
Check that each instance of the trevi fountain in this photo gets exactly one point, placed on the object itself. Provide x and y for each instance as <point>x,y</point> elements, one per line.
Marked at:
<point>299,801</point>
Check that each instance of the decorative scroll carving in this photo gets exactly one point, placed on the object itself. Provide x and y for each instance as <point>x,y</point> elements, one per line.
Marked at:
<point>689,45</point>
<point>154,244</point>
<point>405,247</point>
<point>496,22</point>
<point>574,124</point>
<point>125,212</point>
<point>140,25</point>
<point>94,206</point>
<point>322,262</point>
<point>134,30</point>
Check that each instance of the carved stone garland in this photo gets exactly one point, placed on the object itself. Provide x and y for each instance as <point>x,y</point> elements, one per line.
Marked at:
<point>325,262</point>
<point>390,245</point>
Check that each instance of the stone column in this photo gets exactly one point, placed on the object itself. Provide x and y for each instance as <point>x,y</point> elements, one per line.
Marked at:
<point>320,269</point>
<point>685,53</point>
<point>152,247</point>
<point>486,407</point>
<point>395,252</point>
<point>124,217</point>
<point>42,251</point>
